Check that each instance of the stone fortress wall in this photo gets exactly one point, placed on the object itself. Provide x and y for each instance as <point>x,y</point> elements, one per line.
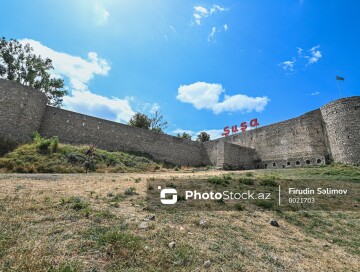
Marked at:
<point>329,133</point>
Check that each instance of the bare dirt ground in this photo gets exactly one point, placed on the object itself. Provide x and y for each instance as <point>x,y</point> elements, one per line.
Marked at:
<point>79,222</point>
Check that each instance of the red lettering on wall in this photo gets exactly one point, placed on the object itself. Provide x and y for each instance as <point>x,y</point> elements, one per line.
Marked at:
<point>226,131</point>
<point>254,122</point>
<point>243,126</point>
<point>234,129</point>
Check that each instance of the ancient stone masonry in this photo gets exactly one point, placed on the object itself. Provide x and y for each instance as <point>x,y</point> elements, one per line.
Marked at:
<point>329,133</point>
<point>21,110</point>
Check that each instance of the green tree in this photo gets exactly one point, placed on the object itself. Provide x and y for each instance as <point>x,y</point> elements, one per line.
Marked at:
<point>203,137</point>
<point>184,136</point>
<point>140,120</point>
<point>18,63</point>
<point>157,122</point>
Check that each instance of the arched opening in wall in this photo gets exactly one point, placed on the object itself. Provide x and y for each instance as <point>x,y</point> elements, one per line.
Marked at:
<point>274,164</point>
<point>307,161</point>
<point>318,161</point>
<point>265,165</point>
<point>297,163</point>
<point>283,166</point>
<point>288,163</point>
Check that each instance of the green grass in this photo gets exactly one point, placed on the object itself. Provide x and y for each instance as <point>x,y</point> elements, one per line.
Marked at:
<point>76,203</point>
<point>268,180</point>
<point>264,204</point>
<point>246,180</point>
<point>52,157</point>
<point>334,171</point>
<point>220,180</point>
<point>339,228</point>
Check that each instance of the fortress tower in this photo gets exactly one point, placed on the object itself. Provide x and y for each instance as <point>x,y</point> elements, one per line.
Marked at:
<point>342,124</point>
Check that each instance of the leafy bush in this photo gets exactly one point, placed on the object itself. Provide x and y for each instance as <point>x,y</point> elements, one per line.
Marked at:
<point>90,166</point>
<point>75,158</point>
<point>46,146</point>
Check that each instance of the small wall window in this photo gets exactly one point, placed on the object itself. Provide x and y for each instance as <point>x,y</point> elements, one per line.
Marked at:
<point>318,160</point>
<point>288,163</point>
<point>307,161</point>
<point>274,164</point>
<point>265,165</point>
<point>283,166</point>
<point>297,163</point>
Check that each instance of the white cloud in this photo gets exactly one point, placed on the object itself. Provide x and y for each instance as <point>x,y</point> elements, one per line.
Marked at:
<point>89,103</point>
<point>216,8</point>
<point>314,93</point>
<point>215,30</point>
<point>212,34</point>
<point>149,108</point>
<point>288,65</point>
<point>172,28</point>
<point>79,72</point>
<point>201,95</point>
<point>242,103</point>
<point>101,15</point>
<point>202,12</point>
<point>204,95</point>
<point>315,55</point>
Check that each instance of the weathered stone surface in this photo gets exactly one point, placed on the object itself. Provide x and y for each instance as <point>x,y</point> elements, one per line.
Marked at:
<point>342,125</point>
<point>331,132</point>
<point>172,244</point>
<point>207,264</point>
<point>202,222</point>
<point>143,225</point>
<point>274,223</point>
<point>150,217</point>
<point>75,128</point>
<point>21,111</point>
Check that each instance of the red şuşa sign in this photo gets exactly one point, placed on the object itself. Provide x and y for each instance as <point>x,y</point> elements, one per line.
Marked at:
<point>243,127</point>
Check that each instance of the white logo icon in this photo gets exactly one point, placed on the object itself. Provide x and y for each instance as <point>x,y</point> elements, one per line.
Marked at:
<point>165,192</point>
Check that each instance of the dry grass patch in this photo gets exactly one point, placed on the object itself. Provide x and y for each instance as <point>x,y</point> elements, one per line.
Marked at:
<point>89,223</point>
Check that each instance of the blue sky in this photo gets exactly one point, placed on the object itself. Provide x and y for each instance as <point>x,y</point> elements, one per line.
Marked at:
<point>204,64</point>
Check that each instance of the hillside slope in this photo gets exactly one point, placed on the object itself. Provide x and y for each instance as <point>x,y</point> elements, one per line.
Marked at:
<point>48,156</point>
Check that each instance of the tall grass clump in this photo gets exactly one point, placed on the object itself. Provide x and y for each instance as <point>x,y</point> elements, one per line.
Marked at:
<point>45,146</point>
